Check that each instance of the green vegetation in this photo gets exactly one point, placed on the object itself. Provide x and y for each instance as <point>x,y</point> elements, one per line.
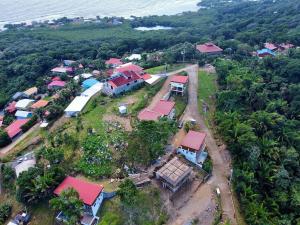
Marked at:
<point>206,95</point>
<point>164,68</point>
<point>181,103</point>
<point>4,138</point>
<point>69,203</point>
<point>5,211</point>
<point>258,117</point>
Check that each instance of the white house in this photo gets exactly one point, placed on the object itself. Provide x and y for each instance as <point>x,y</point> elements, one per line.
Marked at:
<point>133,57</point>
<point>24,104</point>
<point>90,193</point>
<point>122,82</point>
<point>76,106</point>
<point>179,84</point>
<point>193,147</point>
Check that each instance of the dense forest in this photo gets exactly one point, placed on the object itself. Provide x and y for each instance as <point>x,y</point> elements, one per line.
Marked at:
<point>258,116</point>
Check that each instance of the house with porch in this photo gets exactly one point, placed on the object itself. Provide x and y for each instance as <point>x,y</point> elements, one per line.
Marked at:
<point>91,194</point>
<point>122,82</point>
<point>174,174</point>
<point>193,146</point>
<point>209,48</point>
<point>179,84</point>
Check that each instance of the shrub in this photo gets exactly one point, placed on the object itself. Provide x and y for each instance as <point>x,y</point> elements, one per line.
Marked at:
<point>5,212</point>
<point>4,138</point>
<point>30,123</point>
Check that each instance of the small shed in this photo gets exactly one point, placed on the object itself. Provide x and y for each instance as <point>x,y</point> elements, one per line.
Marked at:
<point>23,114</point>
<point>122,109</point>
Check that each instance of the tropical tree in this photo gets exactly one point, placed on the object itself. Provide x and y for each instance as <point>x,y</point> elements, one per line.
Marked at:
<point>69,204</point>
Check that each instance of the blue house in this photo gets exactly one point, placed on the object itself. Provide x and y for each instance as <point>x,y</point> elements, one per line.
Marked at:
<point>89,83</point>
<point>23,115</point>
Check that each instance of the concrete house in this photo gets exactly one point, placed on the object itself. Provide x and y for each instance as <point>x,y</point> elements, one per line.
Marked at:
<point>193,146</point>
<point>90,193</point>
<point>179,84</point>
<point>174,174</point>
<point>24,104</point>
<point>122,82</point>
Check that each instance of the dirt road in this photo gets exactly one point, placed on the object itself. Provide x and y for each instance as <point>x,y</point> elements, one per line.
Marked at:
<point>201,204</point>
<point>221,167</point>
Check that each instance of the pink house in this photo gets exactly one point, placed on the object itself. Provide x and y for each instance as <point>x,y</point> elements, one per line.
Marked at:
<point>56,84</point>
<point>113,62</point>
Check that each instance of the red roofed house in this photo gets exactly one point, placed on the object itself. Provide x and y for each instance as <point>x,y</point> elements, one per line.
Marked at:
<point>149,115</point>
<point>193,147</point>
<point>90,193</point>
<point>14,129</point>
<point>11,108</point>
<point>209,48</point>
<point>286,46</point>
<point>129,67</point>
<point>179,84</point>
<point>122,82</point>
<point>162,109</point>
<point>113,62</point>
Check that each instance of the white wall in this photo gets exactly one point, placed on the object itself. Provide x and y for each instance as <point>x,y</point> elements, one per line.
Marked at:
<point>97,204</point>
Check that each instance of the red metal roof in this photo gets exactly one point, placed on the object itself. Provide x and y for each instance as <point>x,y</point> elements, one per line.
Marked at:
<point>164,107</point>
<point>88,192</point>
<point>209,48</point>
<point>56,79</point>
<point>57,84</point>
<point>146,76</point>
<point>287,46</point>
<point>113,61</point>
<point>129,67</point>
<point>194,140</point>
<point>40,104</point>
<point>15,128</point>
<point>180,79</point>
<point>125,78</point>
<point>149,115</point>
<point>11,107</point>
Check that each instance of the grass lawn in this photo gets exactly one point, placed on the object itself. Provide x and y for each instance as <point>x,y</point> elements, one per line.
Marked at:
<point>206,92</point>
<point>181,103</point>
<point>162,69</point>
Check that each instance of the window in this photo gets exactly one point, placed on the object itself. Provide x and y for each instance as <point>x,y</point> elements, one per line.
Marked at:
<point>135,81</point>
<point>111,87</point>
<point>127,84</point>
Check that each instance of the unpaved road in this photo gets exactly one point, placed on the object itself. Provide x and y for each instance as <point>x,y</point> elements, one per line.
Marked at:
<point>201,202</point>
<point>221,167</point>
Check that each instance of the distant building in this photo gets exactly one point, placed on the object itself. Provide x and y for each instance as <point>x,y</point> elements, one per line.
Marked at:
<point>122,82</point>
<point>14,129</point>
<point>39,104</point>
<point>113,62</point>
<point>11,108</point>
<point>271,46</point>
<point>174,174</point>
<point>76,106</point>
<point>56,85</point>
<point>129,67</point>
<point>23,115</point>
<point>134,57</point>
<point>19,95</point>
<point>90,193</point>
<point>193,147</point>
<point>31,92</point>
<point>179,84</point>
<point>209,48</point>
<point>63,69</point>
<point>24,104</point>
<point>89,83</point>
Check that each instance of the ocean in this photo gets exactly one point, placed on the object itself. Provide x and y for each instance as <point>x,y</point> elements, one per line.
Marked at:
<point>16,11</point>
